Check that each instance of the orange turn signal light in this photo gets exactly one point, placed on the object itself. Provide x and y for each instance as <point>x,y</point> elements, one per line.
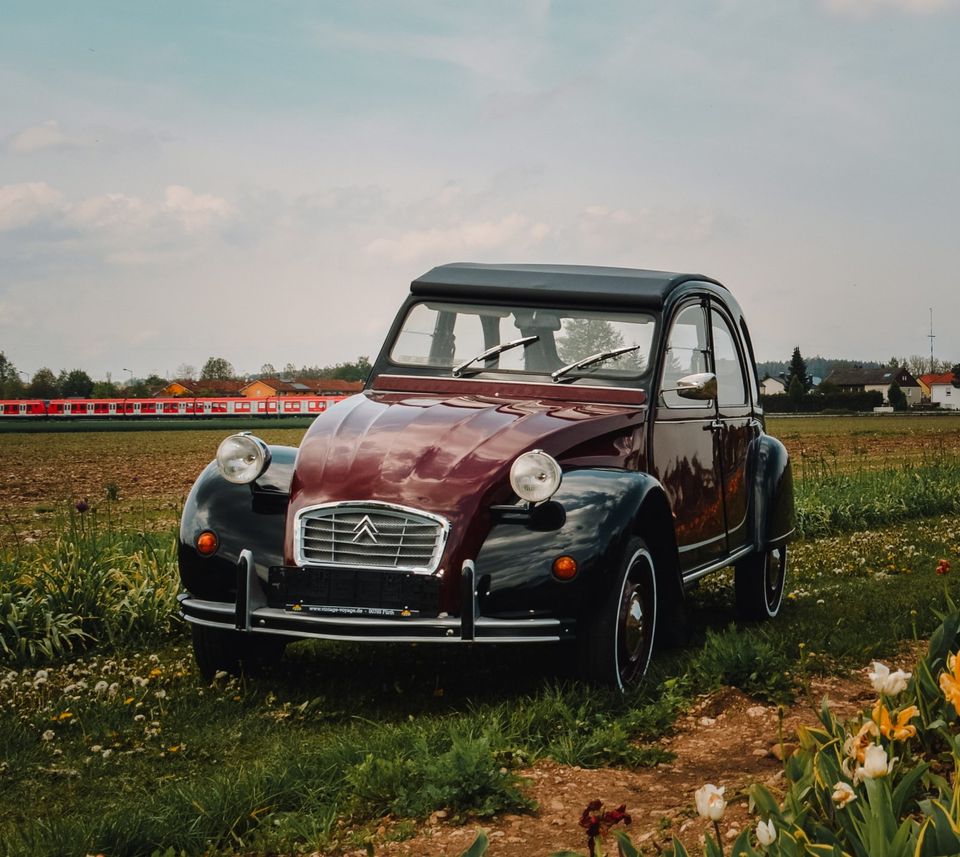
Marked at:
<point>207,543</point>
<point>564,568</point>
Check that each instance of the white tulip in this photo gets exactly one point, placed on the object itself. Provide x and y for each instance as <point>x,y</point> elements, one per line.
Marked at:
<point>875,763</point>
<point>886,682</point>
<point>843,794</point>
<point>766,832</point>
<point>710,802</point>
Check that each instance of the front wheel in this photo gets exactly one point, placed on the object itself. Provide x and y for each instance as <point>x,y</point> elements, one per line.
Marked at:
<point>759,582</point>
<point>222,650</point>
<point>618,641</point>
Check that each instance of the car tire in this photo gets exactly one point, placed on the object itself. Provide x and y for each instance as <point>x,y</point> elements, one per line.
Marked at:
<point>220,650</point>
<point>618,641</point>
<point>759,583</point>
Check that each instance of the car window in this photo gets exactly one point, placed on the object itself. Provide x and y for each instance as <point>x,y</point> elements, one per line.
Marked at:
<point>445,335</point>
<point>686,354</point>
<point>731,387</point>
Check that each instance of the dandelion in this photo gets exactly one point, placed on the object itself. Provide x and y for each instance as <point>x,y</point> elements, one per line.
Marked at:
<point>950,682</point>
<point>100,687</point>
<point>96,748</point>
<point>65,715</point>
<point>107,754</point>
<point>886,682</point>
<point>766,832</point>
<point>49,735</point>
<point>843,794</point>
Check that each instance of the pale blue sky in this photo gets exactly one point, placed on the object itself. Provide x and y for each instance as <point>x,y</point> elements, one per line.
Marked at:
<point>262,181</point>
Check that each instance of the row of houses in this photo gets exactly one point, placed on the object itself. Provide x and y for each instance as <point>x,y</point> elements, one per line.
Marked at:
<point>261,388</point>
<point>937,388</point>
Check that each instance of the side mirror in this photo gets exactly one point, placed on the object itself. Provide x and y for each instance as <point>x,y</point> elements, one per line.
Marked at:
<point>701,387</point>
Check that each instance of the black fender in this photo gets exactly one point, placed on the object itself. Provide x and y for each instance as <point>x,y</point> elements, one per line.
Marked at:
<point>591,517</point>
<point>771,509</point>
<point>243,517</point>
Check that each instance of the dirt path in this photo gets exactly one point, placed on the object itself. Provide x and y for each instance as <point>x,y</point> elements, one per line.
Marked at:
<point>727,739</point>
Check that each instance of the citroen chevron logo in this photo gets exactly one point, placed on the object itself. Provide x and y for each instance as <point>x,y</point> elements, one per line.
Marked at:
<point>366,527</point>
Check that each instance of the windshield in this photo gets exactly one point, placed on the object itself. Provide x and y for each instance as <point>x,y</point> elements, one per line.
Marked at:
<point>447,336</point>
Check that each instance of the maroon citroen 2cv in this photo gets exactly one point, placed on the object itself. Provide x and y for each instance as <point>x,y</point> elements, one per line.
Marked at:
<point>541,453</point>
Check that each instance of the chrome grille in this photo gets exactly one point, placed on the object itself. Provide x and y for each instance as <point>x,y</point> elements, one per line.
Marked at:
<point>370,535</point>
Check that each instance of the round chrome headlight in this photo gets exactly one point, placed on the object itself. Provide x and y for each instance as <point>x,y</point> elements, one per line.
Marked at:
<point>241,458</point>
<point>535,476</point>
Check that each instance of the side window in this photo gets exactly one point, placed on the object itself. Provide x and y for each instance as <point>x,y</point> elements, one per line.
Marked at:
<point>752,378</point>
<point>728,365</point>
<point>685,354</point>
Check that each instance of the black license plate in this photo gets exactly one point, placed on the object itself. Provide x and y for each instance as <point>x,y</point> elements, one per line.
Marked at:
<point>359,592</point>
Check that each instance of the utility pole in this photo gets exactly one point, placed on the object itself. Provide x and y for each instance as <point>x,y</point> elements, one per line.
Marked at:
<point>931,337</point>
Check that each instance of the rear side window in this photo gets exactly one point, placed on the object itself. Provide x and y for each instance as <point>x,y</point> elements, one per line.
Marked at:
<point>731,387</point>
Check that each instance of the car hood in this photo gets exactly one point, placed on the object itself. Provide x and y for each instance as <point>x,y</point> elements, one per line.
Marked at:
<point>447,448</point>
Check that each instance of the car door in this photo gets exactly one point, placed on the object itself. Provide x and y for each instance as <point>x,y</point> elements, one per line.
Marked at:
<point>736,427</point>
<point>684,449</point>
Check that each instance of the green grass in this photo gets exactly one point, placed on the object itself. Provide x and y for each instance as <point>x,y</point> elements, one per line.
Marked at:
<point>341,734</point>
<point>128,752</point>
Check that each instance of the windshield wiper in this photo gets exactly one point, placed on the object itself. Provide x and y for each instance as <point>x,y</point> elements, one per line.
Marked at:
<point>493,352</point>
<point>593,358</point>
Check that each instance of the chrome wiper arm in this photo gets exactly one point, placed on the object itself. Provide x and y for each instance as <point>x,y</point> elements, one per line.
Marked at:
<point>593,358</point>
<point>493,352</point>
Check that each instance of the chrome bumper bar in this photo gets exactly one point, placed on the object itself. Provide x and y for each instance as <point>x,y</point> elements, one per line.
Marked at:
<point>250,614</point>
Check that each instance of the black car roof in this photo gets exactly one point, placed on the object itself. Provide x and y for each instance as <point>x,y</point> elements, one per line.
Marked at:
<point>569,283</point>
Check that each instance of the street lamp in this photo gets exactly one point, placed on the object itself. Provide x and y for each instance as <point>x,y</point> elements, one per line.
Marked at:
<point>130,381</point>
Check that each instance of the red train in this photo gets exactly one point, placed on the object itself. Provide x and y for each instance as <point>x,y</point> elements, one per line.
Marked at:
<point>182,407</point>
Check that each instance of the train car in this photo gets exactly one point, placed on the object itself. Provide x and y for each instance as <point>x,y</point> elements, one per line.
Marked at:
<point>23,408</point>
<point>159,408</point>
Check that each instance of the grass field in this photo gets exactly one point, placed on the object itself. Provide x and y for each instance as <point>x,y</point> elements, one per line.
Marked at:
<point>129,753</point>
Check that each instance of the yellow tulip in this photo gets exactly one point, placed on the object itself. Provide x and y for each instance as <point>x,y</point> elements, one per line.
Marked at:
<point>899,731</point>
<point>950,682</point>
<point>856,745</point>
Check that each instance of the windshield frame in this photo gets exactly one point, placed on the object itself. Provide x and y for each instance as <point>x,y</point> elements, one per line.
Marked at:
<point>591,376</point>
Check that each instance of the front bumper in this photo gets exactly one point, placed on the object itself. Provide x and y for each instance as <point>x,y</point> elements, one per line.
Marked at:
<point>251,614</point>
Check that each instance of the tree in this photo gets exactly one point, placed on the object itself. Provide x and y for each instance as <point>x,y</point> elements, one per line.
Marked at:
<point>585,336</point>
<point>918,365</point>
<point>796,392</point>
<point>216,369</point>
<point>104,390</point>
<point>76,382</point>
<point>267,371</point>
<point>11,387</point>
<point>43,385</point>
<point>798,370</point>
<point>956,373</point>
<point>896,397</point>
<point>186,372</point>
<point>356,371</point>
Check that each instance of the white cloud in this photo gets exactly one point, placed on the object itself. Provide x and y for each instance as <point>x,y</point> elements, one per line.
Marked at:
<point>603,227</point>
<point>865,8</point>
<point>195,211</point>
<point>26,204</point>
<point>115,223</point>
<point>512,232</point>
<point>46,135</point>
<point>112,211</point>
